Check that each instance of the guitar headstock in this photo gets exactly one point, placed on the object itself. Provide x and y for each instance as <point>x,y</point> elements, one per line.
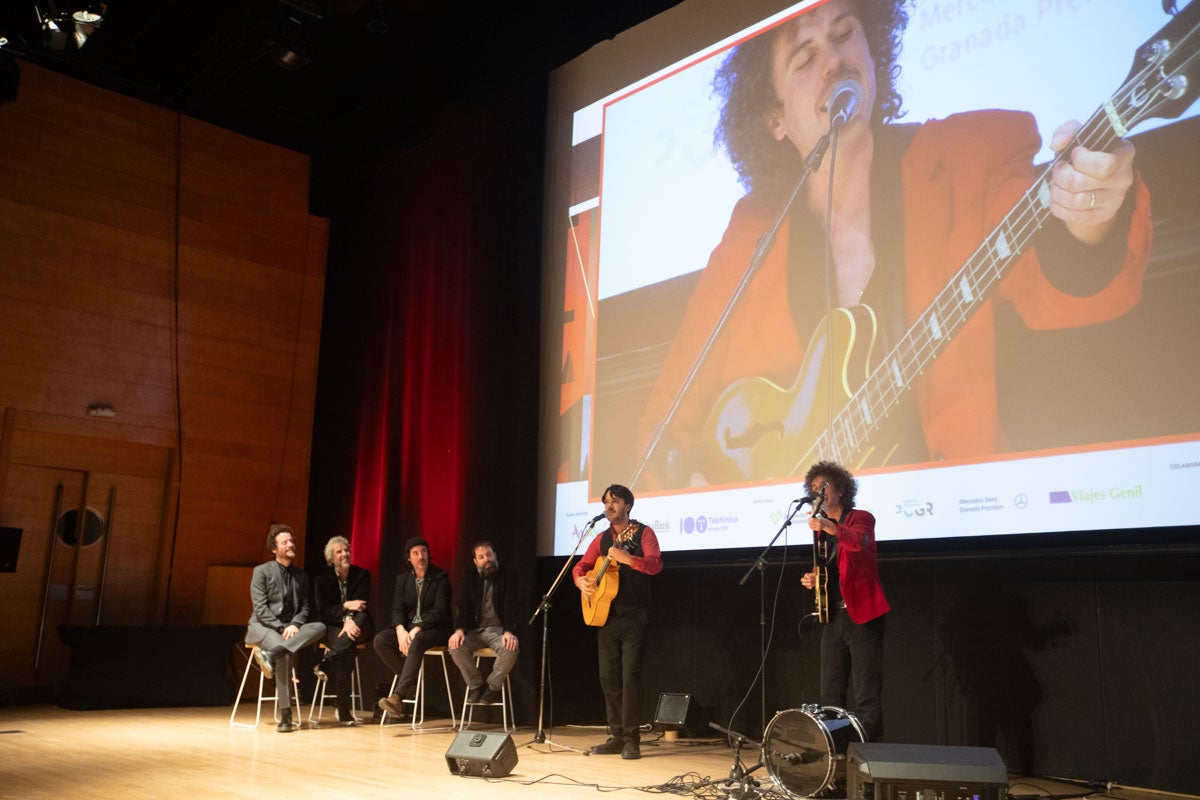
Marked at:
<point>1165,75</point>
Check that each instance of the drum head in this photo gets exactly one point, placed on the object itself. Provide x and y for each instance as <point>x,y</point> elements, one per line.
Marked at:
<point>804,748</point>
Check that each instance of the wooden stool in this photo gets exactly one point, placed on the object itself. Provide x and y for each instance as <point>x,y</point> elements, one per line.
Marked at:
<point>261,697</point>
<point>418,702</point>
<point>317,708</point>
<point>506,708</point>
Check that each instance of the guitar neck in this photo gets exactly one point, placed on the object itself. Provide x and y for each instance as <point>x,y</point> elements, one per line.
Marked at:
<point>847,436</point>
<point>602,568</point>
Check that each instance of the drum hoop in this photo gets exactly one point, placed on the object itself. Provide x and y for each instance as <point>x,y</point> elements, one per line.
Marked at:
<point>831,760</point>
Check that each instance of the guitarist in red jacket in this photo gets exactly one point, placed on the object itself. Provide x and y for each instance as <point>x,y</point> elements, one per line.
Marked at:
<point>910,204</point>
<point>852,640</point>
<point>621,641</point>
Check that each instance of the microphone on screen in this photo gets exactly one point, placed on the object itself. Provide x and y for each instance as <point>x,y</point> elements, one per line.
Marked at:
<point>843,102</point>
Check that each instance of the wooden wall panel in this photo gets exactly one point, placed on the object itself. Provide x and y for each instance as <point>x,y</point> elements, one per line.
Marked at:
<point>89,228</point>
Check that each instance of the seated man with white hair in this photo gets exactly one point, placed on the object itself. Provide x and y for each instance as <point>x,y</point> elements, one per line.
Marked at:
<point>342,593</point>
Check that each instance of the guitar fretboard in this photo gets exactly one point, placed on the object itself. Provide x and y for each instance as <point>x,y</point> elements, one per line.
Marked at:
<point>848,434</point>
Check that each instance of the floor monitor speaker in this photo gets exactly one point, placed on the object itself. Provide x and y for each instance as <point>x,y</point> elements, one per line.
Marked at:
<point>486,755</point>
<point>880,771</point>
<point>676,712</point>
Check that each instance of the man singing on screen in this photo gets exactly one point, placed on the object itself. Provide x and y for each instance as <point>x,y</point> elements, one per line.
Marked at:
<point>910,204</point>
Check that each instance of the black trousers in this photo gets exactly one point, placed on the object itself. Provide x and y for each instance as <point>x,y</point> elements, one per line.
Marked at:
<point>340,662</point>
<point>852,654</point>
<point>621,645</point>
<point>388,647</point>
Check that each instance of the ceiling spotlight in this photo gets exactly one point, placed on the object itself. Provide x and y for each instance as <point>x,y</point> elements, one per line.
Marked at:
<point>295,30</point>
<point>87,21</point>
<point>82,23</point>
<point>90,15</point>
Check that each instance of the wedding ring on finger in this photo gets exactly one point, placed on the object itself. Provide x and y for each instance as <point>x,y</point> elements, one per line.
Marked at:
<point>1092,204</point>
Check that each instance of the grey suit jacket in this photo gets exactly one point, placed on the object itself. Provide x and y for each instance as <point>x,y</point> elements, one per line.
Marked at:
<point>266,595</point>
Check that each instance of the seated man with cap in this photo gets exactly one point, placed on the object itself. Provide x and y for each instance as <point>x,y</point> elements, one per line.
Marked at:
<point>421,619</point>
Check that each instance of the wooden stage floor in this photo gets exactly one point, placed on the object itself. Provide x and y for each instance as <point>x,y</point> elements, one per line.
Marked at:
<point>194,754</point>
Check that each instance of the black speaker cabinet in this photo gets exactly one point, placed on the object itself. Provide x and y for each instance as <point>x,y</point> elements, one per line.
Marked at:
<point>675,712</point>
<point>877,771</point>
<point>483,755</point>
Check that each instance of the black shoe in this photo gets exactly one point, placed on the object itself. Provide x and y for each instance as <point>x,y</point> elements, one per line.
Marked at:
<point>474,693</point>
<point>319,671</point>
<point>631,750</point>
<point>346,718</point>
<point>264,663</point>
<point>391,704</point>
<point>614,745</point>
<point>285,721</point>
<point>490,698</point>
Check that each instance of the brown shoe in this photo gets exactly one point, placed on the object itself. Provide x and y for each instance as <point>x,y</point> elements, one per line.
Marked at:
<point>392,705</point>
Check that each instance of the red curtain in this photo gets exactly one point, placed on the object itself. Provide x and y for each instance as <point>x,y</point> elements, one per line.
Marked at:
<point>427,395</point>
<point>415,415</point>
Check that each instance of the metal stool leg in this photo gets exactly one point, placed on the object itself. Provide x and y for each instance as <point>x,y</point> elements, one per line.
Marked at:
<point>391,691</point>
<point>468,709</point>
<point>273,698</point>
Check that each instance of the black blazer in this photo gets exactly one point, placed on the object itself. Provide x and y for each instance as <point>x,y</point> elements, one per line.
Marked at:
<point>329,597</point>
<point>435,599</point>
<point>504,595</point>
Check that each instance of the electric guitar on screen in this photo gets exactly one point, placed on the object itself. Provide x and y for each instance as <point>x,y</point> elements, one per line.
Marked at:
<point>605,578</point>
<point>843,394</point>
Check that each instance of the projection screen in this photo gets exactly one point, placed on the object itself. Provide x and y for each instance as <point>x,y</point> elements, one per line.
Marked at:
<point>969,400</point>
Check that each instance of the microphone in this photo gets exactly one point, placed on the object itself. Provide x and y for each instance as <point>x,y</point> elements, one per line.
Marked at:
<point>843,102</point>
<point>811,757</point>
<point>811,497</point>
<point>595,519</point>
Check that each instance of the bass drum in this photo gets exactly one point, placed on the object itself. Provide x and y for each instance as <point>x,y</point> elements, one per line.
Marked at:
<point>804,749</point>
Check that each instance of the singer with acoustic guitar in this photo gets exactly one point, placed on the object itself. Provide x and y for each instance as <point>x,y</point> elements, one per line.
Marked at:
<point>613,577</point>
<point>846,572</point>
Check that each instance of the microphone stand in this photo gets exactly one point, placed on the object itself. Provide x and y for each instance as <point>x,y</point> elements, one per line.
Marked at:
<point>765,242</point>
<point>739,782</point>
<point>544,609</point>
<point>760,564</point>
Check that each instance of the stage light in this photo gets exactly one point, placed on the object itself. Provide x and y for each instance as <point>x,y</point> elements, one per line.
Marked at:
<point>295,29</point>
<point>59,27</point>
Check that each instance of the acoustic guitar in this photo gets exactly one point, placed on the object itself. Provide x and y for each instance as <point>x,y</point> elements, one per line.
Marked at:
<point>844,393</point>
<point>605,578</point>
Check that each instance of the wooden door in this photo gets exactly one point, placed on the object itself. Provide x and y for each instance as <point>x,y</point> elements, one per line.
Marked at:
<point>94,545</point>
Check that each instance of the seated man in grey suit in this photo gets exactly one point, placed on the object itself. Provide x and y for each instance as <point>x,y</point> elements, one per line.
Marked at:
<point>279,623</point>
